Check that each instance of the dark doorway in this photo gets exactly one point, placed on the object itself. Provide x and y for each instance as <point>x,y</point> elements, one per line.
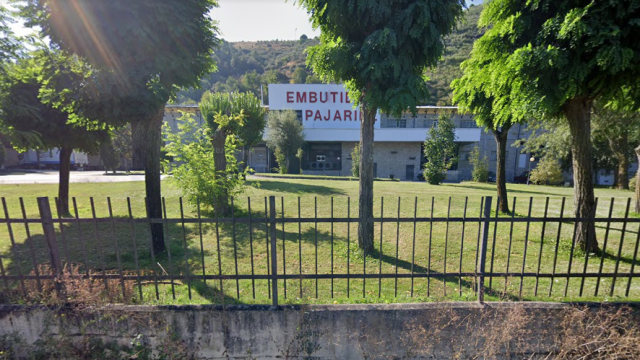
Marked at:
<point>410,172</point>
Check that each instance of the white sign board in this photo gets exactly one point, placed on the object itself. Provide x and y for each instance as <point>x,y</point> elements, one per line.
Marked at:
<point>322,106</point>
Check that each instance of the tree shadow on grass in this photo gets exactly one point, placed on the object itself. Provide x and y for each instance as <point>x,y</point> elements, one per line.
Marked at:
<point>112,249</point>
<point>295,188</point>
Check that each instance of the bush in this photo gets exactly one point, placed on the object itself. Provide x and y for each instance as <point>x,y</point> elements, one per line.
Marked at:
<point>632,183</point>
<point>195,172</point>
<point>440,151</point>
<point>547,172</point>
<point>480,172</point>
<point>355,161</point>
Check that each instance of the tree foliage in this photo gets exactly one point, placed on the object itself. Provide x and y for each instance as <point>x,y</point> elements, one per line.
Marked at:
<point>195,171</point>
<point>440,151</point>
<point>550,59</point>
<point>480,166</point>
<point>140,52</point>
<point>355,161</point>
<point>548,172</point>
<point>284,136</point>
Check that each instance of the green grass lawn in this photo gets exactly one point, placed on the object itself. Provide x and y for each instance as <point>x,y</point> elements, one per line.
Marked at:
<point>302,245</point>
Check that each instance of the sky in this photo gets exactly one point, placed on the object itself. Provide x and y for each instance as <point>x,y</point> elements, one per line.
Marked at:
<point>253,20</point>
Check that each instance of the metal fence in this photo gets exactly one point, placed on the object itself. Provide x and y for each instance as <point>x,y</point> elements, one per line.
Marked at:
<point>264,256</point>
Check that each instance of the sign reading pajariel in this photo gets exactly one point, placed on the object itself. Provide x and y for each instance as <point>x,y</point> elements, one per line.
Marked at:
<point>326,106</point>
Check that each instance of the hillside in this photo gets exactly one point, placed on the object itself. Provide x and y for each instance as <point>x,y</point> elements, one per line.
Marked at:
<point>244,66</point>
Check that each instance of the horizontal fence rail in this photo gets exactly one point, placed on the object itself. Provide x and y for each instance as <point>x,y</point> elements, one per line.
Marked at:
<point>453,248</point>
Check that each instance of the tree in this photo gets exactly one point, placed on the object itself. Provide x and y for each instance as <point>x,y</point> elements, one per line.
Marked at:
<point>480,172</point>
<point>123,144</point>
<point>23,109</point>
<point>303,38</point>
<point>621,131</point>
<point>142,52</point>
<point>9,45</point>
<point>224,118</point>
<point>108,156</point>
<point>440,150</point>
<point>556,57</point>
<point>299,76</point>
<point>380,50</point>
<point>284,136</point>
<point>251,132</point>
<point>472,93</point>
<point>195,170</point>
<point>355,161</point>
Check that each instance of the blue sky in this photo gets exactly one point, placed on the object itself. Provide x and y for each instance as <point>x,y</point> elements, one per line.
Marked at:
<point>252,20</point>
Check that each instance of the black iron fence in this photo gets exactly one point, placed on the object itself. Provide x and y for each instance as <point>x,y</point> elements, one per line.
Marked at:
<point>431,250</point>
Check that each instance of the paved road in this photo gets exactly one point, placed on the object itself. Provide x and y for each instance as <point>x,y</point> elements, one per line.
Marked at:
<point>51,177</point>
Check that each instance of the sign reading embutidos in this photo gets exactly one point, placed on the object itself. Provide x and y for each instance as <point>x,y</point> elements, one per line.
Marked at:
<point>321,105</point>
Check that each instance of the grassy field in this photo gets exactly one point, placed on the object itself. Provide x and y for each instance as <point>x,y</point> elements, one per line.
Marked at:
<point>438,246</point>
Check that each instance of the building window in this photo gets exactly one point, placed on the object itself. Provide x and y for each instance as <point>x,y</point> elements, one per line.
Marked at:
<point>434,123</point>
<point>468,124</point>
<point>401,123</point>
<point>464,156</point>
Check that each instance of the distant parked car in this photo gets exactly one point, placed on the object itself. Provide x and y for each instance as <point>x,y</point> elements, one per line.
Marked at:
<point>491,177</point>
<point>522,178</point>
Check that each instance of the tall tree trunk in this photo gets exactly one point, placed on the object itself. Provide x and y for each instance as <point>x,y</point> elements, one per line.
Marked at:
<point>139,145</point>
<point>365,200</point>
<point>501,137</point>
<point>151,127</point>
<point>578,114</point>
<point>220,162</point>
<point>63,183</point>
<point>637,149</point>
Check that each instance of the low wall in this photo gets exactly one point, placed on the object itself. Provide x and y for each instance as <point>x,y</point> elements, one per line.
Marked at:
<point>398,331</point>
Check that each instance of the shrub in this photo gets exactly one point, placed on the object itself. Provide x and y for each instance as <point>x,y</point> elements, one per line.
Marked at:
<point>547,172</point>
<point>632,183</point>
<point>355,161</point>
<point>480,172</point>
<point>195,172</point>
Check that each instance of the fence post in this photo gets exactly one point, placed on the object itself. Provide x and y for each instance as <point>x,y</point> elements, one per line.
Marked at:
<point>486,214</point>
<point>50,234</point>
<point>274,253</point>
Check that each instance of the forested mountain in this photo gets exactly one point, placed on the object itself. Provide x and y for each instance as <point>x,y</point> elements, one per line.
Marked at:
<point>244,66</point>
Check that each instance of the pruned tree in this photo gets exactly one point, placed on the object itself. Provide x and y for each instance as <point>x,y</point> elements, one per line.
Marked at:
<point>556,57</point>
<point>285,136</point>
<point>254,113</point>
<point>224,117</point>
<point>141,52</point>
<point>380,50</point>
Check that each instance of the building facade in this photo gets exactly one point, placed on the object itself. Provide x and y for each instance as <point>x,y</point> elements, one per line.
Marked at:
<point>332,129</point>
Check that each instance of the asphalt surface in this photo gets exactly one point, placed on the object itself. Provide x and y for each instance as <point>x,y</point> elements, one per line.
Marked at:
<point>51,177</point>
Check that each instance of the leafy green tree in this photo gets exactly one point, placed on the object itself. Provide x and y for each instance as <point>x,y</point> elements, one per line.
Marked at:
<point>224,118</point>
<point>284,136</point>
<point>9,45</point>
<point>142,51</point>
<point>303,38</point>
<point>440,150</point>
<point>480,171</point>
<point>195,171</point>
<point>547,172</point>
<point>252,130</point>
<point>380,50</point>
<point>556,57</point>
<point>299,76</point>
<point>313,79</point>
<point>471,93</point>
<point>355,161</point>
<point>108,156</point>
<point>620,128</point>
<point>123,144</point>
<point>24,111</point>
<point>300,155</point>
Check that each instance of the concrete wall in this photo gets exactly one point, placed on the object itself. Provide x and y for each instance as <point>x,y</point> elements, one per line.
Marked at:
<point>391,158</point>
<point>396,331</point>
